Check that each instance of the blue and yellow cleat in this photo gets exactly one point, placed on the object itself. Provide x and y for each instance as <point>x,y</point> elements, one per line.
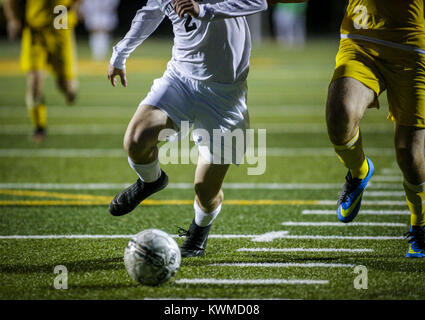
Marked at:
<point>350,198</point>
<point>416,238</point>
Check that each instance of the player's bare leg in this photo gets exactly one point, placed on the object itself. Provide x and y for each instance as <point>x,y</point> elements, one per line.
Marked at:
<point>348,99</point>
<point>140,143</point>
<point>68,87</point>
<point>209,198</point>
<point>141,137</point>
<point>36,105</point>
<point>409,145</point>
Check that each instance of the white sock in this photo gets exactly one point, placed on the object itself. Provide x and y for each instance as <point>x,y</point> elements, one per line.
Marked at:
<point>147,172</point>
<point>203,219</point>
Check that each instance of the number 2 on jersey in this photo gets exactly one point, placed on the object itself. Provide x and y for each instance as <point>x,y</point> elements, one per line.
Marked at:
<point>190,27</point>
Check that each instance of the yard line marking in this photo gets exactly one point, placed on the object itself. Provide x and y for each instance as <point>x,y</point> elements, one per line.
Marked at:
<point>112,236</point>
<point>67,236</point>
<point>281,128</point>
<point>390,171</point>
<point>338,224</point>
<point>308,152</point>
<point>283,265</point>
<point>388,178</point>
<point>65,186</point>
<point>75,129</point>
<point>251,281</point>
<point>119,153</point>
<point>62,153</point>
<point>270,236</point>
<point>189,185</point>
<point>266,202</point>
<point>213,236</point>
<point>342,237</point>
<point>377,194</point>
<point>108,129</point>
<point>362,212</point>
<point>368,202</point>
<point>44,194</point>
<point>302,250</point>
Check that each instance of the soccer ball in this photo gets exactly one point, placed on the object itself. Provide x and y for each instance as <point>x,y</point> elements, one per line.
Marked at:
<point>152,257</point>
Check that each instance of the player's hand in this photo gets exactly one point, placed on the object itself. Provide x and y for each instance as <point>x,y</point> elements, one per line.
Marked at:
<point>113,72</point>
<point>14,27</point>
<point>182,7</point>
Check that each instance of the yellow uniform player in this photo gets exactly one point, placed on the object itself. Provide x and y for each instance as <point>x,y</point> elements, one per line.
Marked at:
<point>48,44</point>
<point>382,48</point>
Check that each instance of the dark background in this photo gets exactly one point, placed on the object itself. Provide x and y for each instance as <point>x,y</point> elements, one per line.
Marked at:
<point>323,18</point>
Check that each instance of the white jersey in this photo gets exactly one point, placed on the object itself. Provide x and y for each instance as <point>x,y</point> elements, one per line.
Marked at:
<point>215,47</point>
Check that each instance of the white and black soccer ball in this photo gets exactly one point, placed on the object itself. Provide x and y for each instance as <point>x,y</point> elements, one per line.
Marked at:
<point>152,257</point>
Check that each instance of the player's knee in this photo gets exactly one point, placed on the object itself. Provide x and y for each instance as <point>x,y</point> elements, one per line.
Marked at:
<point>140,142</point>
<point>341,121</point>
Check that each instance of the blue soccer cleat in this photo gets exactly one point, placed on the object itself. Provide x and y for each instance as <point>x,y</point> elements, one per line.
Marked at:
<point>350,198</point>
<point>416,238</point>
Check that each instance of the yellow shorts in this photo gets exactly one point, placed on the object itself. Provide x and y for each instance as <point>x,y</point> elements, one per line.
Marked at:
<point>380,68</point>
<point>49,49</point>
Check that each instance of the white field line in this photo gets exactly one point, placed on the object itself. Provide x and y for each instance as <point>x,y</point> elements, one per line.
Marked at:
<point>253,281</point>
<point>322,152</point>
<point>338,224</point>
<point>189,185</point>
<point>367,203</point>
<point>119,153</point>
<point>397,178</point>
<point>75,129</point>
<point>66,186</point>
<point>284,265</point>
<point>384,194</point>
<point>62,153</point>
<point>390,171</point>
<point>113,236</point>
<point>86,112</point>
<point>270,236</point>
<point>108,129</point>
<point>314,237</point>
<point>282,128</point>
<point>213,236</point>
<point>362,212</point>
<point>303,250</point>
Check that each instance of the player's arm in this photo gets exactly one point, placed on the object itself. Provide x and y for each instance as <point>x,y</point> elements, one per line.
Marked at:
<point>12,13</point>
<point>220,10</point>
<point>144,24</point>
<point>225,9</point>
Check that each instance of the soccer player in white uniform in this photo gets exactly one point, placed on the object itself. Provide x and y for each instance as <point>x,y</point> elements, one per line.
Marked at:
<point>101,18</point>
<point>204,84</point>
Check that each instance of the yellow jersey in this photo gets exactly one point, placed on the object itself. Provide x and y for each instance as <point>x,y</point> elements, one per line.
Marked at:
<point>396,21</point>
<point>41,13</point>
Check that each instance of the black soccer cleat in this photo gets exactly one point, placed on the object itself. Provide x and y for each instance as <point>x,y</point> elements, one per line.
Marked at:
<point>127,200</point>
<point>196,240</point>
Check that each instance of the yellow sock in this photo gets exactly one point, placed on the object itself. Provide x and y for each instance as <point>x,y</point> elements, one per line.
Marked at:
<point>352,156</point>
<point>38,115</point>
<point>415,197</point>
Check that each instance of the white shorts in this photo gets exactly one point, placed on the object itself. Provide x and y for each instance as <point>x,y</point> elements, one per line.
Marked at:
<point>212,109</point>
